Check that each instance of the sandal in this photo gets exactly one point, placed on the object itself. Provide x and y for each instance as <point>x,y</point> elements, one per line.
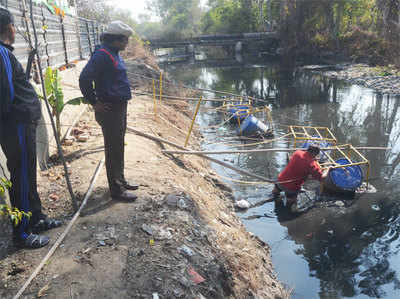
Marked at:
<point>33,241</point>
<point>45,224</point>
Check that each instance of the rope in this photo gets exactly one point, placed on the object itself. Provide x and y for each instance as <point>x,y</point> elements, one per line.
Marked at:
<point>251,144</point>
<point>197,89</point>
<point>244,182</point>
<point>219,125</point>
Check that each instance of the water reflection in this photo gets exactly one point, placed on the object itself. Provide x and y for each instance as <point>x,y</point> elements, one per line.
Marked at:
<point>348,252</point>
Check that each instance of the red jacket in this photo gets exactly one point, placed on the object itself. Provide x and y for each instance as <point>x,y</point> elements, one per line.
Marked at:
<point>300,165</point>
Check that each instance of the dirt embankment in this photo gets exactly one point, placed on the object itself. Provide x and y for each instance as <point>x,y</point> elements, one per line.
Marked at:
<point>180,239</point>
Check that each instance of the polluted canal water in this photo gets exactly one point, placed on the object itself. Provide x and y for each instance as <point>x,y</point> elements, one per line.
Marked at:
<point>331,251</point>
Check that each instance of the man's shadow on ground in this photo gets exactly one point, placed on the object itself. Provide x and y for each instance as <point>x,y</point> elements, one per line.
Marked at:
<point>100,200</point>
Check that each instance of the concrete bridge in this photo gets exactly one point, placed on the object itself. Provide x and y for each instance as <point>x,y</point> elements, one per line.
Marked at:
<point>237,40</point>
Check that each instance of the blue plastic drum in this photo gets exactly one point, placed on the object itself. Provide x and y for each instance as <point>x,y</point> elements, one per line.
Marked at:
<point>252,125</point>
<point>345,179</point>
<point>238,112</point>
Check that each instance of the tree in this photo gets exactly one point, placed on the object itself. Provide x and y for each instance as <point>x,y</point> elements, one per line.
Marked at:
<point>180,17</point>
<point>98,10</point>
<point>229,16</point>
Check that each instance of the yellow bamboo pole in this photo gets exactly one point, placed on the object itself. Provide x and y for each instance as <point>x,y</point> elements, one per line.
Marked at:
<point>194,119</point>
<point>161,86</point>
<point>155,99</point>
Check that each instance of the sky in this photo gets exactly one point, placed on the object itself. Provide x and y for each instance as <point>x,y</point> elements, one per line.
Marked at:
<point>137,7</point>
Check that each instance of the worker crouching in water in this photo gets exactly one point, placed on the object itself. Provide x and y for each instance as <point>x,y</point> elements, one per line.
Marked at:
<point>109,97</point>
<point>300,166</point>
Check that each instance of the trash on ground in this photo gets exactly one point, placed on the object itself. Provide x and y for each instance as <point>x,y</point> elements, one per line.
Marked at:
<point>185,250</point>
<point>83,138</point>
<point>148,229</point>
<point>195,277</point>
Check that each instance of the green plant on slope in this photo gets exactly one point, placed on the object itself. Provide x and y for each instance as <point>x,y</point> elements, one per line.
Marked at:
<point>14,214</point>
<point>55,96</point>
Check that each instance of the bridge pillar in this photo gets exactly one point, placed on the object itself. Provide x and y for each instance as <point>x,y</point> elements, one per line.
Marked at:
<point>238,47</point>
<point>190,49</point>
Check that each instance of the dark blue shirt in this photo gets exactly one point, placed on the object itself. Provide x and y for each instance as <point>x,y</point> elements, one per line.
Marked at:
<point>18,99</point>
<point>107,70</point>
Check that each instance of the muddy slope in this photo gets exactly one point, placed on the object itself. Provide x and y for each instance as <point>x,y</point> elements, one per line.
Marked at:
<point>180,239</point>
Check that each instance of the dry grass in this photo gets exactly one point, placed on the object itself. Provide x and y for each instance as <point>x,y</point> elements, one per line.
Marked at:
<point>136,50</point>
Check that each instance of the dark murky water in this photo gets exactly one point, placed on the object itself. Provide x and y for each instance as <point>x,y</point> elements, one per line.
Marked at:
<point>326,253</point>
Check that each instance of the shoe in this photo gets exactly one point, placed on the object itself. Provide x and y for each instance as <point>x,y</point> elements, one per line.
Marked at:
<point>125,196</point>
<point>44,224</point>
<point>130,185</point>
<point>33,241</point>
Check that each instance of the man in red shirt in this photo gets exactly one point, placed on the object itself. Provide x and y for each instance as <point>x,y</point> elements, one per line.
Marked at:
<point>300,166</point>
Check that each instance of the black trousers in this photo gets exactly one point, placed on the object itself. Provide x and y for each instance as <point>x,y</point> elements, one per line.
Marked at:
<point>18,142</point>
<point>113,125</point>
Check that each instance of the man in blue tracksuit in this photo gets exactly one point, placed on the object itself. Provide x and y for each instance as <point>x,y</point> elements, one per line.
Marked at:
<point>109,97</point>
<point>19,112</point>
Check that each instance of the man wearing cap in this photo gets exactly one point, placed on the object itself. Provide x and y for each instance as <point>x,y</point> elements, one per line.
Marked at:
<point>19,112</point>
<point>300,166</point>
<point>109,97</point>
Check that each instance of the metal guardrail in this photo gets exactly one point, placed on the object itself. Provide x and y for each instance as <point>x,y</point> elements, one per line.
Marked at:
<point>61,40</point>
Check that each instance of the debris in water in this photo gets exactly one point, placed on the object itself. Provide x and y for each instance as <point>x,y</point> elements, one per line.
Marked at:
<point>366,188</point>
<point>375,208</point>
<point>339,203</point>
<point>242,204</point>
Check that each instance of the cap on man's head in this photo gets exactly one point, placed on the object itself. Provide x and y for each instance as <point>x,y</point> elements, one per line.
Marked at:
<point>313,149</point>
<point>119,28</point>
<point>6,18</point>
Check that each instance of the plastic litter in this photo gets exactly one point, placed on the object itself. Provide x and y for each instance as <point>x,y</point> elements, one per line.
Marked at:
<point>182,204</point>
<point>242,204</point>
<point>148,229</point>
<point>375,208</point>
<point>185,250</point>
<point>195,277</point>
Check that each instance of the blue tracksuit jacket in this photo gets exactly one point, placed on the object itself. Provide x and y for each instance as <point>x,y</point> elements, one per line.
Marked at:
<point>108,72</point>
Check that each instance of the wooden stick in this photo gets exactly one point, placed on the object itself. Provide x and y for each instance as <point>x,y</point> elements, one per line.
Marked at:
<point>46,101</point>
<point>185,150</point>
<point>194,119</point>
<point>261,150</point>
<point>63,235</point>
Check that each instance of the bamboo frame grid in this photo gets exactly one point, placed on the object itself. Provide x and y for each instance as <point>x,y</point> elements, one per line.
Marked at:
<point>249,111</point>
<point>314,134</point>
<point>348,152</point>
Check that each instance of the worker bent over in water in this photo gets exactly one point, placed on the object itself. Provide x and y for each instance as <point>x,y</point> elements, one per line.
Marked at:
<point>300,166</point>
